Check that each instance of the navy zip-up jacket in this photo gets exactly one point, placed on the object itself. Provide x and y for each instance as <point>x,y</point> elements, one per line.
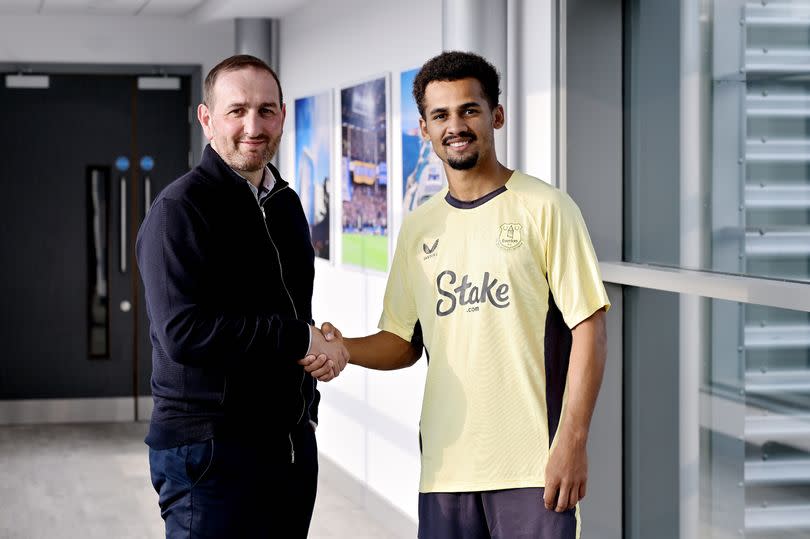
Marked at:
<point>228,295</point>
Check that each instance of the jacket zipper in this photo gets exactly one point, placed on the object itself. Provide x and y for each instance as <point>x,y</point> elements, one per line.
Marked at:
<point>278,256</point>
<point>295,312</point>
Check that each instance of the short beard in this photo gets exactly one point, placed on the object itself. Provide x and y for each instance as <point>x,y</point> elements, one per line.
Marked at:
<point>463,163</point>
<point>239,162</point>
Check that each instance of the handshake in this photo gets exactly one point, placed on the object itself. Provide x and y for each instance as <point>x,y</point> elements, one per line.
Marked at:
<point>327,355</point>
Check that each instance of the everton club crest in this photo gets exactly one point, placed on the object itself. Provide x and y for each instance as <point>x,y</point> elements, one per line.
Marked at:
<point>509,236</point>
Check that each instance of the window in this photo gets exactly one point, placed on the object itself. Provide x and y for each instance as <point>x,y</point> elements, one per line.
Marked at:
<point>717,179</point>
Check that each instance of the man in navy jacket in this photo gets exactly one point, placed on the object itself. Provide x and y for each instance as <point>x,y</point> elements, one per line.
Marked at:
<point>228,268</point>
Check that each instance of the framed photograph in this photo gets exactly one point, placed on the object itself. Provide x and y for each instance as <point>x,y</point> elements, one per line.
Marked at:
<point>313,158</point>
<point>422,170</point>
<point>364,174</point>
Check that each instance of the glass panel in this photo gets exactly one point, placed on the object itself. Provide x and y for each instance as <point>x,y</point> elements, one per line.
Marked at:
<point>717,131</point>
<point>744,372</point>
<point>98,189</point>
<point>651,414</point>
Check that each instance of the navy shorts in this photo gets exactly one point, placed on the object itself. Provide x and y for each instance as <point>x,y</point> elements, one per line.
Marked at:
<point>516,513</point>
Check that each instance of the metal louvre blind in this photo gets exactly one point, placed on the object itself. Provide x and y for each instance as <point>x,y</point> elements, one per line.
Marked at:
<point>761,210</point>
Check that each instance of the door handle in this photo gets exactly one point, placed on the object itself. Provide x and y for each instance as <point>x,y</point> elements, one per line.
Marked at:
<point>147,164</point>
<point>123,224</point>
<point>147,194</point>
<point>122,164</point>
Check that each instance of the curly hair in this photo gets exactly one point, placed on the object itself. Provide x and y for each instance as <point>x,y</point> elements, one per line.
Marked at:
<point>235,63</point>
<point>457,65</point>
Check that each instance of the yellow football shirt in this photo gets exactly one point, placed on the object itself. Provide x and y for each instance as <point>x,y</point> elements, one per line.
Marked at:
<point>495,285</point>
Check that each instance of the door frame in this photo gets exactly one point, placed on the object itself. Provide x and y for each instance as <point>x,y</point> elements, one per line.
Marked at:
<point>106,409</point>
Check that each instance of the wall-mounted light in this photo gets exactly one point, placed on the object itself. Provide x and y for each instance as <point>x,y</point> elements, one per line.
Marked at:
<point>28,81</point>
<point>158,83</point>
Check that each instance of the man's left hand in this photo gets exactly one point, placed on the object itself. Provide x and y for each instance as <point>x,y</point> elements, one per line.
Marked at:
<point>566,474</point>
<point>320,367</point>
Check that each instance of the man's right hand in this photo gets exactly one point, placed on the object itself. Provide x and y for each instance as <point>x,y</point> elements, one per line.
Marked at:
<point>327,354</point>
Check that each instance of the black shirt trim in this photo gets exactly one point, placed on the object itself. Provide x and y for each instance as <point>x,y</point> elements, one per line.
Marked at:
<point>463,205</point>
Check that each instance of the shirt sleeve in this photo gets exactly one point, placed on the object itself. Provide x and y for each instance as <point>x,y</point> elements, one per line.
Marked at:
<point>399,314</point>
<point>572,268</point>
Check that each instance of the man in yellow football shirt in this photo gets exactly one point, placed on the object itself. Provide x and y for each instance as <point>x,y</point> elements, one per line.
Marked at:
<point>497,278</point>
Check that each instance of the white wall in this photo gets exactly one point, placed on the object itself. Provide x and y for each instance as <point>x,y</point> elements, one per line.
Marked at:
<point>535,111</point>
<point>114,40</point>
<point>368,420</point>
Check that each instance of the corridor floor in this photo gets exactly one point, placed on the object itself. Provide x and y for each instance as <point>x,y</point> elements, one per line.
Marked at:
<point>92,482</point>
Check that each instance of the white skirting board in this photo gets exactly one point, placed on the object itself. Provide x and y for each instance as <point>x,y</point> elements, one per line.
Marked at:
<point>145,405</point>
<point>42,411</point>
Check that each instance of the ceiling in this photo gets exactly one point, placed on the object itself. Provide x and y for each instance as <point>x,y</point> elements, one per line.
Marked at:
<point>196,9</point>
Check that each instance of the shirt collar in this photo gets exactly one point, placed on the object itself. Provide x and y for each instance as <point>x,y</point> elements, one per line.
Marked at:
<point>268,182</point>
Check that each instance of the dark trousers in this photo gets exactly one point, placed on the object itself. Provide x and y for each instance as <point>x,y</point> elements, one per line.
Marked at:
<point>516,513</point>
<point>222,488</point>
